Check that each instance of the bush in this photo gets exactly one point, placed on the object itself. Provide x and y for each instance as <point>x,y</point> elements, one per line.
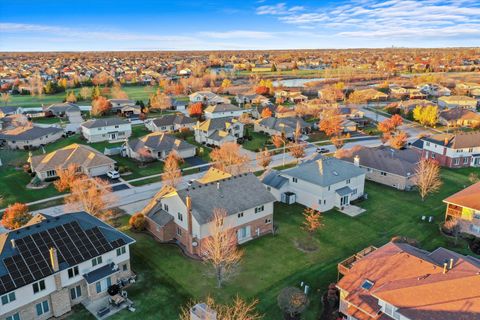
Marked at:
<point>475,246</point>
<point>123,169</point>
<point>137,222</point>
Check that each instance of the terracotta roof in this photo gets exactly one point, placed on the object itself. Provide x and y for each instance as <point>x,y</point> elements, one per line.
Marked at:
<point>468,197</point>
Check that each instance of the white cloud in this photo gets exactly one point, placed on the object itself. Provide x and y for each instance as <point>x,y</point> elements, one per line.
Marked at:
<point>278,9</point>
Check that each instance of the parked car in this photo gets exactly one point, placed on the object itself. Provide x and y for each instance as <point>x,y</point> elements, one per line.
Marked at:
<point>322,150</point>
<point>113,174</point>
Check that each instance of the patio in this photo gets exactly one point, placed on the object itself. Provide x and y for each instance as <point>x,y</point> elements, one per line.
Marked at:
<point>103,308</point>
<point>351,210</point>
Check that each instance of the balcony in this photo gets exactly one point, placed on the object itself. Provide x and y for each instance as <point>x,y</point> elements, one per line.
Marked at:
<point>345,266</point>
<point>454,211</point>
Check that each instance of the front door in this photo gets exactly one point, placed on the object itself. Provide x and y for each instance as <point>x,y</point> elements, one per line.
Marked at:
<point>243,234</point>
<point>344,201</point>
<point>113,136</point>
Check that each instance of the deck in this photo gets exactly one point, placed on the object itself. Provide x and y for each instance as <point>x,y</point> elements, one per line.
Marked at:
<point>345,266</point>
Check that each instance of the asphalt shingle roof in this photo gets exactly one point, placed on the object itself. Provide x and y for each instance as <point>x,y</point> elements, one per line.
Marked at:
<point>106,122</point>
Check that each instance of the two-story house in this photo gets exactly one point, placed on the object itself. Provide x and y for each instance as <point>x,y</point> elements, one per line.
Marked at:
<point>171,122</point>
<point>185,215</point>
<point>457,150</point>
<point>400,282</point>
<point>218,131</point>
<point>281,126</point>
<point>461,102</point>
<point>207,97</point>
<point>322,183</point>
<point>465,207</point>
<point>108,129</point>
<point>53,263</point>
<point>118,104</point>
<point>223,110</point>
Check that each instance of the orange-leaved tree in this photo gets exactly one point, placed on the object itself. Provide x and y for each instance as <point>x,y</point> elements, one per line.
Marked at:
<point>228,158</point>
<point>172,174</point>
<point>16,216</point>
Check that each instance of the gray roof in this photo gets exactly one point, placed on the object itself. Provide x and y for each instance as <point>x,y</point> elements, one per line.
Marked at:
<point>287,124</point>
<point>222,107</point>
<point>159,142</point>
<point>28,133</point>
<point>160,217</point>
<point>59,108</point>
<point>101,273</point>
<point>273,179</point>
<point>172,119</point>
<point>324,171</point>
<point>344,191</point>
<point>104,122</point>
<point>8,109</point>
<point>400,162</point>
<point>235,194</point>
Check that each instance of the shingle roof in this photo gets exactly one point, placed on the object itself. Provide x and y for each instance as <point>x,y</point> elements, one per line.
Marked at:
<point>215,124</point>
<point>104,122</point>
<point>222,107</point>
<point>81,155</point>
<point>468,197</point>
<point>273,179</point>
<point>62,107</point>
<point>78,237</point>
<point>28,133</point>
<point>171,119</point>
<point>459,114</point>
<point>286,124</point>
<point>456,141</point>
<point>159,141</point>
<point>324,171</point>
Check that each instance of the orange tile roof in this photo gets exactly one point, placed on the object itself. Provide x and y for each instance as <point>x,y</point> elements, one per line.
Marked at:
<point>468,197</point>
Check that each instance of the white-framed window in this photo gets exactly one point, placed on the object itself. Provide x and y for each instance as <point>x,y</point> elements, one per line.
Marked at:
<point>103,285</point>
<point>475,228</point>
<point>179,231</point>
<point>96,261</point>
<point>38,286</point>
<point>456,161</point>
<point>180,216</point>
<point>9,297</point>
<point>354,191</point>
<point>15,316</point>
<point>259,209</point>
<point>165,207</point>
<point>42,307</point>
<point>432,156</point>
<point>348,181</point>
<point>383,173</point>
<point>240,215</point>
<point>73,272</point>
<point>268,220</point>
<point>121,250</point>
<point>465,160</point>
<point>75,292</point>
<point>51,173</point>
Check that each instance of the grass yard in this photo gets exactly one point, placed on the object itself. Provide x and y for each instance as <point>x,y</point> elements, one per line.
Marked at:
<point>168,279</point>
<point>258,142</point>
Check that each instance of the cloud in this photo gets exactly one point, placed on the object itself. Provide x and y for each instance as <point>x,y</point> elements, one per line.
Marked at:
<point>237,34</point>
<point>278,9</point>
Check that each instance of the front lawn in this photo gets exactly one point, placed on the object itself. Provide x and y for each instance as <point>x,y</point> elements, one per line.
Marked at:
<point>258,141</point>
<point>274,262</point>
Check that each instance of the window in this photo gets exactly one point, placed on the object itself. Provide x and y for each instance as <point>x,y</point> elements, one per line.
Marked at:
<point>38,286</point>
<point>432,156</point>
<point>328,188</point>
<point>76,292</point>
<point>470,150</point>
<point>240,215</point>
<point>465,160</point>
<point>383,173</point>
<point>165,207</point>
<point>51,173</point>
<point>295,180</point>
<point>116,127</point>
<point>259,209</point>
<point>103,285</point>
<point>180,216</point>
<point>354,191</point>
<point>476,215</point>
<point>96,261</point>
<point>72,272</point>
<point>348,181</point>
<point>9,297</point>
<point>367,285</point>
<point>42,307</point>
<point>179,231</point>
<point>121,250</point>
<point>268,220</point>
<point>15,316</point>
<point>475,228</point>
<point>456,161</point>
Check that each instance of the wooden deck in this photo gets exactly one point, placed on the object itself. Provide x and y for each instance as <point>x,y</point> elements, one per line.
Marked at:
<point>345,266</point>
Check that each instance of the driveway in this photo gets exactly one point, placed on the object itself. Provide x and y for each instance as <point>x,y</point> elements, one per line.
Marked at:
<point>197,161</point>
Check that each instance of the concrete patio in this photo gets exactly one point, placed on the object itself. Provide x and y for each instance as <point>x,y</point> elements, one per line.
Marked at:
<point>94,306</point>
<point>352,211</point>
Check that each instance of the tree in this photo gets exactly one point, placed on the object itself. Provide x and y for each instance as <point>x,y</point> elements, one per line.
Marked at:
<point>172,174</point>
<point>389,127</point>
<point>292,301</point>
<point>66,177</point>
<point>264,158</point>
<point>101,78</point>
<point>226,83</point>
<point>118,93</point>
<point>220,249</point>
<point>228,158</point>
<point>263,90</point>
<point>16,216</point>
<point>6,98</point>
<point>160,100</point>
<point>331,123</point>
<point>426,115</point>
<point>453,227</point>
<point>278,141</point>
<point>36,84</point>
<point>85,93</point>
<point>428,177</point>
<point>266,113</point>
<point>137,222</point>
<point>399,140</point>
<point>101,106</point>
<point>297,150</point>
<point>195,109</point>
<point>238,310</point>
<point>312,220</point>
<point>298,132</point>
<point>95,92</point>
<point>70,97</point>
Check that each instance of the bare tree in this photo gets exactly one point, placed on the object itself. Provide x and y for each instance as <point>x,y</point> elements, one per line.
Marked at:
<point>428,177</point>
<point>91,195</point>
<point>297,150</point>
<point>220,249</point>
<point>238,310</point>
<point>6,97</point>
<point>172,174</point>
<point>264,158</point>
<point>228,158</point>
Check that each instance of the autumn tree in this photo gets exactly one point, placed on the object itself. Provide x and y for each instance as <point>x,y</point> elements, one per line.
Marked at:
<point>220,249</point>
<point>85,93</point>
<point>331,122</point>
<point>266,113</point>
<point>228,158</point>
<point>70,97</point>
<point>195,109</point>
<point>118,93</point>
<point>297,150</point>
<point>36,84</point>
<point>137,221</point>
<point>426,115</point>
<point>102,78</point>
<point>172,174</point>
<point>312,220</point>
<point>95,92</point>
<point>264,158</point>
<point>160,100</point>
<point>239,309</point>
<point>16,216</point>
<point>399,140</point>
<point>226,83</point>
<point>389,127</point>
<point>100,106</point>
<point>66,177</point>
<point>6,98</point>
<point>297,134</point>
<point>428,177</point>
<point>91,195</point>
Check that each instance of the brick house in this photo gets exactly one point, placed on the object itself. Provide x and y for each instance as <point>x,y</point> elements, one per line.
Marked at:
<point>465,207</point>
<point>402,282</point>
<point>457,150</point>
<point>54,263</point>
<point>184,215</point>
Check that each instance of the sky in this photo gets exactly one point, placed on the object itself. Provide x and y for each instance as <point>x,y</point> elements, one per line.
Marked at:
<point>118,25</point>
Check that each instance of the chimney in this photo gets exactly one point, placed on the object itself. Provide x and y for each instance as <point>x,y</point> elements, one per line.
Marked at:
<point>188,201</point>
<point>450,267</point>
<point>54,259</point>
<point>445,141</point>
<point>320,165</point>
<point>356,161</point>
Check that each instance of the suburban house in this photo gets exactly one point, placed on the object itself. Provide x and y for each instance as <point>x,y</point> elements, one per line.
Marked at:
<point>218,131</point>
<point>28,137</point>
<point>465,207</point>
<point>462,102</point>
<point>408,106</point>
<point>158,145</point>
<point>403,92</point>
<point>434,90</point>
<point>180,104</point>
<point>207,98</point>
<point>372,94</point>
<point>253,98</point>
<point>457,150</point>
<point>223,110</point>
<point>89,161</point>
<point>321,183</point>
<point>128,111</point>
<point>391,167</point>
<point>468,87</point>
<point>108,129</point>
<point>118,104</point>
<point>459,118</point>
<point>170,122</point>
<point>9,110</point>
<point>63,109</point>
<point>54,263</point>
<point>399,281</point>
<point>258,109</point>
<point>185,215</point>
<point>280,126</point>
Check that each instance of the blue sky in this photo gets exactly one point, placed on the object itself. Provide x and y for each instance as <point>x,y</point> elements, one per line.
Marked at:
<point>233,25</point>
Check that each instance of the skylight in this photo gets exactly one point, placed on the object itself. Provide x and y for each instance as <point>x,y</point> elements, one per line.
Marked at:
<point>367,285</point>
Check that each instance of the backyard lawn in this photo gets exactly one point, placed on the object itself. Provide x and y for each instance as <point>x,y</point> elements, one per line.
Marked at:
<point>258,142</point>
<point>168,279</point>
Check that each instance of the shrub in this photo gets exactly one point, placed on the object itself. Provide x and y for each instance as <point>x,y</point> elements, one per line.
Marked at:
<point>137,222</point>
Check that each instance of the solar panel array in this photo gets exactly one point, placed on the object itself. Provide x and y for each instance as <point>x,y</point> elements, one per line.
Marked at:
<point>74,245</point>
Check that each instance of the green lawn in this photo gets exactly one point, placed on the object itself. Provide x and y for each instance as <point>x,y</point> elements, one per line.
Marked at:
<point>168,279</point>
<point>258,142</point>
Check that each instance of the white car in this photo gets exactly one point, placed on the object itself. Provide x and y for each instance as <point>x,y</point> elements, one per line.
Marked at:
<point>113,174</point>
